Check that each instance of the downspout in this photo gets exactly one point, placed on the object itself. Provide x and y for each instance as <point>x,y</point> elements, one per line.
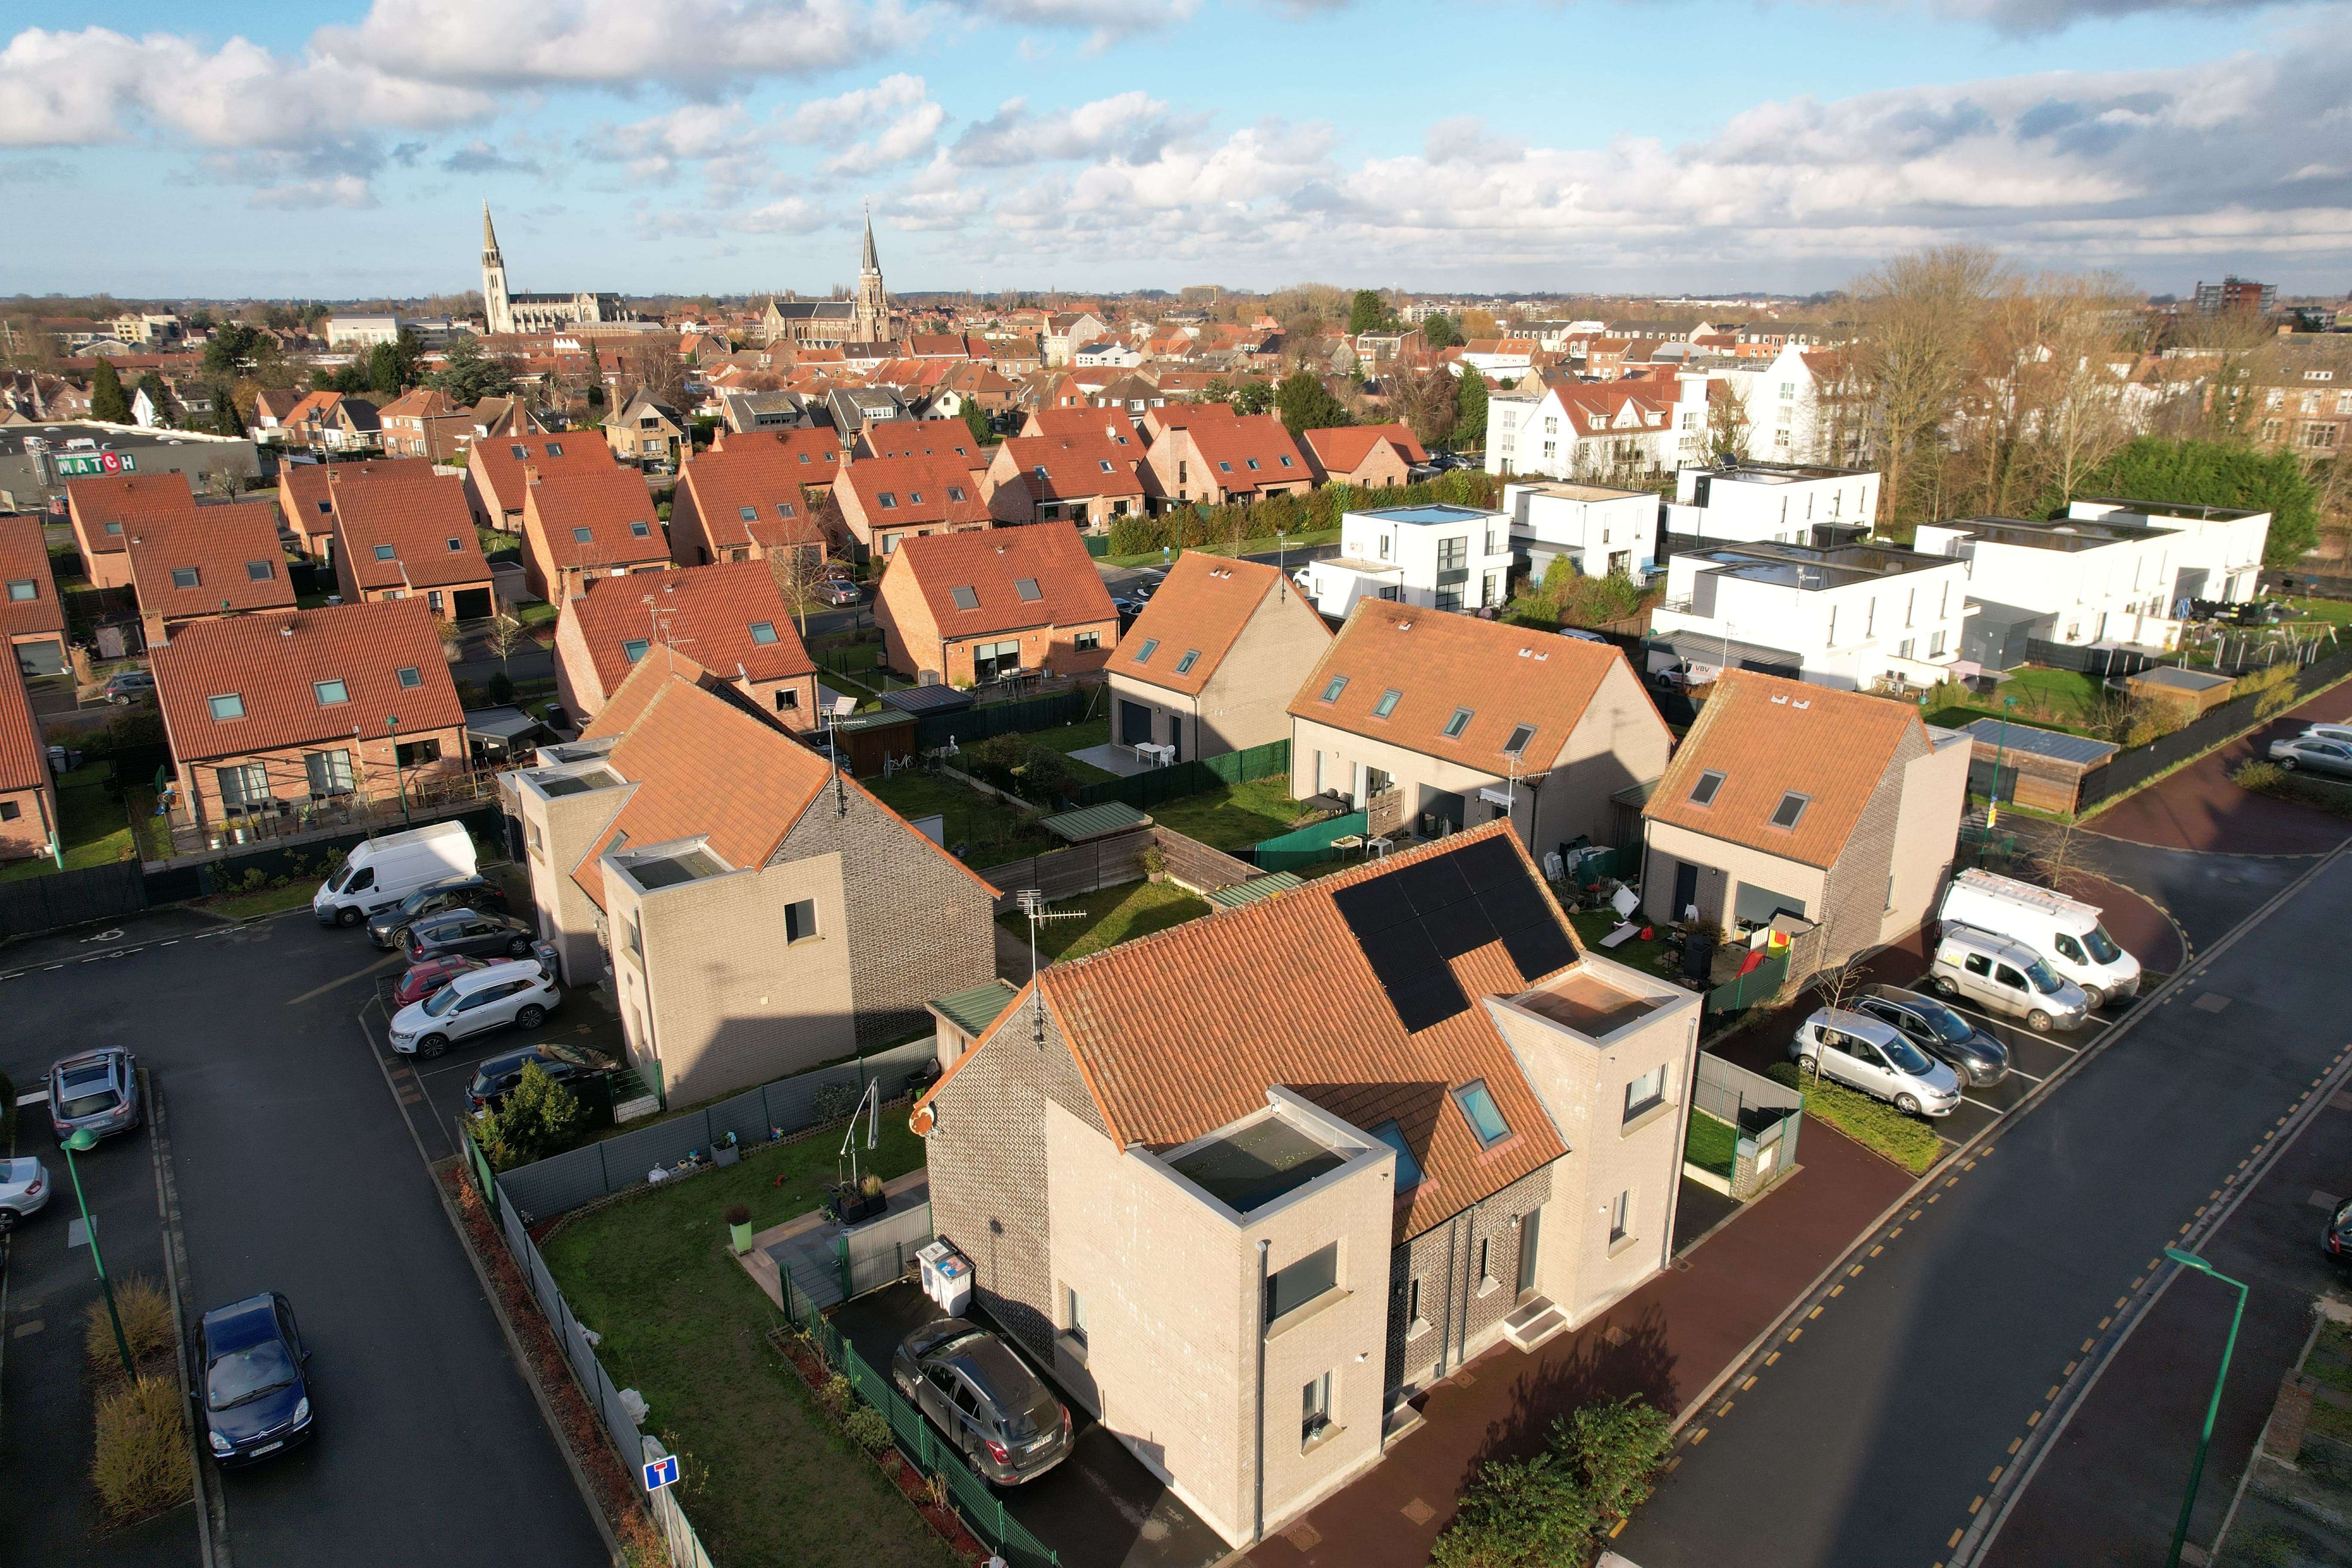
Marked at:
<point>1535,804</point>
<point>1469,1288</point>
<point>1258,1533</point>
<point>1446,1328</point>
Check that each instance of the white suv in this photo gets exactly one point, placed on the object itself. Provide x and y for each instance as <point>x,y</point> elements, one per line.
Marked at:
<point>1865,1054</point>
<point>517,993</point>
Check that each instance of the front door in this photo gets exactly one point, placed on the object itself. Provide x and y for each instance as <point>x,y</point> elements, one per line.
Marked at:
<point>1176,737</point>
<point>1134,723</point>
<point>1685,890</point>
<point>1530,1228</point>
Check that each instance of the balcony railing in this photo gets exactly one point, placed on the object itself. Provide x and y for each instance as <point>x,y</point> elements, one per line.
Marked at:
<point>433,796</point>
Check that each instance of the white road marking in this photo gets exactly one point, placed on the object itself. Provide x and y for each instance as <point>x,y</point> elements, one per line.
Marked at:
<point>346,980</point>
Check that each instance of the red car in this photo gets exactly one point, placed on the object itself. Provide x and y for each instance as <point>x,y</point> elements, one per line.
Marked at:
<point>423,979</point>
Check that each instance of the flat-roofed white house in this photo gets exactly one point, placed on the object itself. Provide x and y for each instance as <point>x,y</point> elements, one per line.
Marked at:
<point>1860,616</point>
<point>2073,580</point>
<point>1604,532</point>
<point>1438,555</point>
<point>1772,503</point>
<point>2219,548</point>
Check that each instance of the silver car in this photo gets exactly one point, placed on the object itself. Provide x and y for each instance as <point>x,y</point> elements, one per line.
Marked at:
<point>2310,752</point>
<point>96,1089</point>
<point>2339,733</point>
<point>520,994</point>
<point>24,1191</point>
<point>1872,1056</point>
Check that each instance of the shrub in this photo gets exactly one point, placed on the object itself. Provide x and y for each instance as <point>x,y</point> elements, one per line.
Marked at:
<point>1551,1510</point>
<point>1908,1141</point>
<point>140,1465</point>
<point>834,1101</point>
<point>837,1392</point>
<point>2270,779</point>
<point>868,1428</point>
<point>539,1118</point>
<point>148,1326</point>
<point>502,688</point>
<point>739,1213</point>
<point>1619,1448</point>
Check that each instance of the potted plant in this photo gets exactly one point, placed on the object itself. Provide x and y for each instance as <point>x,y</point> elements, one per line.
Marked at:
<point>1155,863</point>
<point>739,1227</point>
<point>854,1203</point>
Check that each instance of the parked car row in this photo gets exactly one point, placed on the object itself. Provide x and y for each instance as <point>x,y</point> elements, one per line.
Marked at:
<point>2321,748</point>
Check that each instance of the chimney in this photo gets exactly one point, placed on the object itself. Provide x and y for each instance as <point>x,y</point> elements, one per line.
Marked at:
<point>530,473</point>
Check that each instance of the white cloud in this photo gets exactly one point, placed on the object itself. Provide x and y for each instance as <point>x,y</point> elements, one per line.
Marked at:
<point>1132,128</point>
<point>793,215</point>
<point>893,122</point>
<point>690,131</point>
<point>339,190</point>
<point>1106,22</point>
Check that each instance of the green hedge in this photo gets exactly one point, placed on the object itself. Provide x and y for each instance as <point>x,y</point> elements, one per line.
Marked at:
<point>1192,525</point>
<point>1872,1123</point>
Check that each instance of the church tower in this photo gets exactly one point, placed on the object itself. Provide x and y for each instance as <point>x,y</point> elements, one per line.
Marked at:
<point>873,319</point>
<point>497,316</point>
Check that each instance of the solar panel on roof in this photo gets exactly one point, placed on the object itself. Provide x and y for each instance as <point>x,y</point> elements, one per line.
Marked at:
<point>1434,885</point>
<point>1459,928</point>
<point>1537,949</point>
<point>1370,906</point>
<point>1427,998</point>
<point>1486,862</point>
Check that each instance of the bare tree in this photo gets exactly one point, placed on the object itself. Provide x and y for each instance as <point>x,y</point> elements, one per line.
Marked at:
<point>797,569</point>
<point>505,633</point>
<point>1920,319</point>
<point>1727,423</point>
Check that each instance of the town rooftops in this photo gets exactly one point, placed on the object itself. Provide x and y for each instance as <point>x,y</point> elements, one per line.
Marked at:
<point>749,491</point>
<point>595,514</point>
<point>255,683</point>
<point>1005,579</point>
<point>28,593</point>
<point>1780,766</point>
<point>2069,535</point>
<point>937,438</point>
<point>308,506</point>
<point>1484,681</point>
<point>1343,448</point>
<point>1061,468</point>
<point>731,617</point>
<point>408,532</point>
<point>1195,614</point>
<point>502,458</point>
<point>110,505</point>
<point>215,560</point>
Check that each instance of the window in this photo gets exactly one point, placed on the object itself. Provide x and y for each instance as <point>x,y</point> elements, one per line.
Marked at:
<point>21,589</point>
<point>1315,1417</point>
<point>329,692</point>
<point>229,706</point>
<point>1621,1218</point>
<point>186,577</point>
<point>1335,686</point>
<point>747,513</point>
<point>1184,665</point>
<point>800,920</point>
<point>1289,1288</point>
<point>1478,1108</point>
<point>410,676</point>
<point>914,498</point>
<point>329,772</point>
<point>1456,725</point>
<point>259,570</point>
<point>887,500</point>
<point>788,699</point>
<point>1150,645</point>
<point>582,535</point>
<point>1225,468</point>
<point>242,786</point>
<point>1106,464</point>
<point>634,648</point>
<point>456,545</point>
<point>1703,792</point>
<point>1028,590</point>
<point>1645,1092</point>
<point>10,811</point>
<point>763,632</point>
<point>117,527</point>
<point>1074,1311</point>
<point>1408,1169</point>
<point>965,598</point>
<point>1252,462</point>
<point>384,553</point>
<point>1088,642</point>
<point>1387,704</point>
<point>1453,555</point>
<point>415,753</point>
<point>1520,735</point>
<point>641,530</point>
<point>1791,807</point>
<point>518,451</point>
<point>784,510</point>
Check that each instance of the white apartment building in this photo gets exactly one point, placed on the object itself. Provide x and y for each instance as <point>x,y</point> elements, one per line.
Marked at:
<point>2219,553</point>
<point>1507,360</point>
<point>2072,581</point>
<point>1442,557</point>
<point>1857,617</point>
<point>1603,532</point>
<point>1780,400</point>
<point>366,332</point>
<point>1592,430</point>
<point>1776,504</point>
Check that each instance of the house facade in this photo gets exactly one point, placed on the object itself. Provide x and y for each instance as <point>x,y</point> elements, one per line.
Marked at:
<point>884,501</point>
<point>30,611</point>
<point>1366,457</point>
<point>970,608</point>
<point>731,618</point>
<point>401,536</point>
<point>644,433</point>
<point>1856,617</point>
<point>2218,549</point>
<point>1207,452</point>
<point>2073,580</point>
<point>1603,532</point>
<point>1212,663</point>
<point>1088,480</point>
<point>1438,555</point>
<point>1773,503</point>
<point>584,520</point>
<point>755,494</point>
<point>1606,431</point>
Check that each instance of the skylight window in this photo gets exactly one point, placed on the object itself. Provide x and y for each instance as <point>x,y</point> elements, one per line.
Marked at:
<point>635,648</point>
<point>519,452</point>
<point>582,535</point>
<point>1332,689</point>
<point>1106,464</point>
<point>385,553</point>
<point>410,676</point>
<point>259,570</point>
<point>763,632</point>
<point>1520,735</point>
<point>1192,657</point>
<point>914,498</point>
<point>1478,1108</point>
<point>784,508</point>
<point>456,545</point>
<point>555,448</point>
<point>1252,462</point>
<point>965,598</point>
<point>1027,588</point>
<point>1288,464</point>
<point>641,530</point>
<point>1703,792</point>
<point>231,706</point>
<point>329,692</point>
<point>1408,1171</point>
<point>955,492</point>
<point>1150,645</point>
<point>1387,704</point>
<point>1791,807</point>
<point>749,513</point>
<point>1226,468</point>
<point>886,501</point>
<point>186,577</point>
<point>1456,725</point>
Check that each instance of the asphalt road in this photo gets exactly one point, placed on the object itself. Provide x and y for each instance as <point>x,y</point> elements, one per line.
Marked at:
<point>1881,1425</point>
<point>295,1173</point>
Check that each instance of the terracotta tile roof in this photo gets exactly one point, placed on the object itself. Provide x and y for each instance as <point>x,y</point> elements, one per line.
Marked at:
<point>942,438</point>
<point>1506,675</point>
<point>638,688</point>
<point>23,759</point>
<point>1768,738</point>
<point>758,473</point>
<point>419,402</point>
<point>1073,467</point>
<point>1179,1033</point>
<point>920,490</point>
<point>24,558</point>
<point>609,502</point>
<point>708,609</point>
<point>424,522</point>
<point>128,500</point>
<point>994,566</point>
<point>1201,604</point>
<point>272,664</point>
<point>227,546</point>
<point>1083,421</point>
<point>1230,448</point>
<point>302,497</point>
<point>497,461</point>
<point>1345,448</point>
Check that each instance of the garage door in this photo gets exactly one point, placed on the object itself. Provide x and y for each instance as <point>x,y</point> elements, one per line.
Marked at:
<point>1134,723</point>
<point>473,604</point>
<point>41,658</point>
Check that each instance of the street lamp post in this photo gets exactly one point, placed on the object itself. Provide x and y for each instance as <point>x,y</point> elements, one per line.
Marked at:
<point>81,1141</point>
<point>400,786</point>
<point>2213,1406</point>
<point>1992,811</point>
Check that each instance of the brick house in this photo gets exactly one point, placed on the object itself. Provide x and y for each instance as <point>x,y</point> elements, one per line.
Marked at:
<point>970,608</point>
<point>425,423</point>
<point>1208,453</point>
<point>409,537</point>
<point>1086,480</point>
<point>886,501</point>
<point>217,561</point>
<point>1212,663</point>
<point>28,799</point>
<point>945,439</point>
<point>307,509</point>
<point>739,500</point>
<point>1244,1248</point>
<point>643,432</point>
<point>1368,457</point>
<point>1836,807</point>
<point>730,618</point>
<point>1434,723</point>
<point>30,611</point>
<point>494,487</point>
<point>582,520</point>
<point>105,511</point>
<point>267,713</point>
<point>751,917</point>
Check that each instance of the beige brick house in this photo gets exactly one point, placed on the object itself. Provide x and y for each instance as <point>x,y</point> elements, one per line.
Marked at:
<point>1837,807</point>
<point>1368,457</point>
<point>884,501</point>
<point>756,493</point>
<point>1212,663</point>
<point>970,608</point>
<point>106,510</point>
<point>1207,452</point>
<point>752,914</point>
<point>1464,1131</point>
<point>1432,722</point>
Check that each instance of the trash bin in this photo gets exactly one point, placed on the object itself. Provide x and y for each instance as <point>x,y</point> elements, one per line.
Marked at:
<point>947,1278</point>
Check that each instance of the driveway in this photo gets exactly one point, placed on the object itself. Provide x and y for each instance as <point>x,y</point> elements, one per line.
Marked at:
<point>1098,1509</point>
<point>2201,808</point>
<point>295,1173</point>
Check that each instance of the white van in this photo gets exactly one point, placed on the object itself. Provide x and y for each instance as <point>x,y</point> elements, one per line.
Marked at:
<point>380,872</point>
<point>2065,931</point>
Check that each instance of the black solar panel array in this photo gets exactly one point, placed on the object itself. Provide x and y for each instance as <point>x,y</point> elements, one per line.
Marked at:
<point>1412,922</point>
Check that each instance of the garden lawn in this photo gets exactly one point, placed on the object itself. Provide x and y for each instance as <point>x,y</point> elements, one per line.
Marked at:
<point>93,827</point>
<point>2050,698</point>
<point>2336,610</point>
<point>991,831</point>
<point>1272,544</point>
<point>268,901</point>
<point>1649,957</point>
<point>1232,816</point>
<point>1114,915</point>
<point>1872,1123</point>
<point>686,1328</point>
<point>1710,1144</point>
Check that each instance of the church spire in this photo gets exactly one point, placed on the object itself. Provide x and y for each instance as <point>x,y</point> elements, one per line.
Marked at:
<point>870,264</point>
<point>490,234</point>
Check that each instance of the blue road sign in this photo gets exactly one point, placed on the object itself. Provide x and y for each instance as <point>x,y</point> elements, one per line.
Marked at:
<point>661,1472</point>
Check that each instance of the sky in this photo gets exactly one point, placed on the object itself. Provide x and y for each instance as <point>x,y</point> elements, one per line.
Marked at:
<point>344,149</point>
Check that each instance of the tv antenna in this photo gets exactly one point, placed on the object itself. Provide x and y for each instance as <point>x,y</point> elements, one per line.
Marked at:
<point>831,714</point>
<point>1033,904</point>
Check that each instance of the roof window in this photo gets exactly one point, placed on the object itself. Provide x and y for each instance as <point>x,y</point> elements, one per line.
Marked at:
<point>229,706</point>
<point>329,692</point>
<point>965,598</point>
<point>1225,468</point>
<point>1335,686</point>
<point>1459,722</point>
<point>886,501</point>
<point>749,513</point>
<point>456,545</point>
<point>955,492</point>
<point>1520,735</point>
<point>186,577</point>
<point>1192,657</point>
<point>635,648</point>
<point>582,535</point>
<point>1702,792</point>
<point>1106,464</point>
<point>409,676</point>
<point>1252,462</point>
<point>1387,704</point>
<point>914,498</point>
<point>1478,1108</point>
<point>1150,645</point>
<point>641,530</point>
<point>384,553</point>
<point>519,452</point>
<point>763,632</point>
<point>784,508</point>
<point>555,448</point>
<point>1027,588</point>
<point>259,570</point>
<point>1408,1171</point>
<point>1790,809</point>
<point>1288,464</point>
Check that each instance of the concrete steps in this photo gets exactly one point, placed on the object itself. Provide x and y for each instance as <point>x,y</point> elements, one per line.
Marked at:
<point>1534,1323</point>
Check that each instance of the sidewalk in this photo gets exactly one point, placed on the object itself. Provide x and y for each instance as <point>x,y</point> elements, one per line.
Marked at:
<point>1667,1341</point>
<point>2199,808</point>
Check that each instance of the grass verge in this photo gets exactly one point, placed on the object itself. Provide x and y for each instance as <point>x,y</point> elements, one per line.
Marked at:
<point>1876,1125</point>
<point>990,831</point>
<point>2329,795</point>
<point>1271,544</point>
<point>1114,915</point>
<point>268,901</point>
<point>685,1326</point>
<point>139,1463</point>
<point>1710,1144</point>
<point>93,826</point>
<point>1652,957</point>
<point>1232,816</point>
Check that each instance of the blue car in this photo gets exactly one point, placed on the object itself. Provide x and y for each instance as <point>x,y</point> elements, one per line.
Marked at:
<point>257,1402</point>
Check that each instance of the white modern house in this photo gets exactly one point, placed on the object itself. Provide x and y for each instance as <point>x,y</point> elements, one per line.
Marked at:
<point>1777,503</point>
<point>1780,401</point>
<point>1603,532</point>
<point>1599,430</point>
<point>1857,617</point>
<point>2219,548</point>
<point>2072,581</point>
<point>1442,557</point>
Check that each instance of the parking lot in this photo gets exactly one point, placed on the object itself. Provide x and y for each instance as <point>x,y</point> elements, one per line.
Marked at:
<point>2031,1059</point>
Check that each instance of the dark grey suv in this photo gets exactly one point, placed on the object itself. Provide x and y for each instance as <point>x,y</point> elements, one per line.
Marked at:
<point>98,1089</point>
<point>476,934</point>
<point>389,928</point>
<point>985,1398</point>
<point>1974,1056</point>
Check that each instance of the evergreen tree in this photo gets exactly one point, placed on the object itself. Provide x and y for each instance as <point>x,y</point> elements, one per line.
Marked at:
<point>2213,473</point>
<point>159,396</point>
<point>1252,397</point>
<point>1367,312</point>
<point>468,375</point>
<point>1440,332</point>
<point>226,421</point>
<point>108,402</point>
<point>975,421</point>
<point>1470,410</point>
<point>1305,404</point>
